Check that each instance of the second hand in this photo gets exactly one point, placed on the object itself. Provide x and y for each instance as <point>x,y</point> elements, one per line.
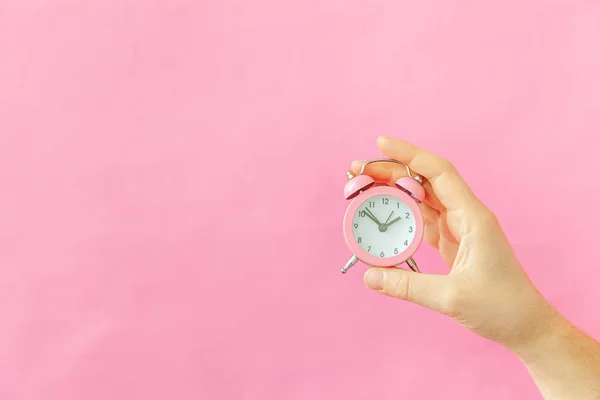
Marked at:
<point>386,221</point>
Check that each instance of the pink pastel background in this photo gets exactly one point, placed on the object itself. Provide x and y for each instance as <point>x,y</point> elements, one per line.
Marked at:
<point>171,178</point>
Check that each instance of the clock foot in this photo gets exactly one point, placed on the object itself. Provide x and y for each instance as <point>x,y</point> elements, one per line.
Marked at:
<point>412,265</point>
<point>349,264</point>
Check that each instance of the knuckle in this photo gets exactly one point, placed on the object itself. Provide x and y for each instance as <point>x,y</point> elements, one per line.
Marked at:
<point>400,287</point>
<point>451,303</point>
<point>487,220</point>
<point>447,166</point>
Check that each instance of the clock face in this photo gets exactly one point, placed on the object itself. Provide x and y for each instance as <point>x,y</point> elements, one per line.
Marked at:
<point>383,226</point>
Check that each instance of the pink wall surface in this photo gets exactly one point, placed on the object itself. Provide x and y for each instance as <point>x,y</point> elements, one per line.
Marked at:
<point>171,178</point>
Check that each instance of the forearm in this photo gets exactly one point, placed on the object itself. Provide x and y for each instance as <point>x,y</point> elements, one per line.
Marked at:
<point>564,363</point>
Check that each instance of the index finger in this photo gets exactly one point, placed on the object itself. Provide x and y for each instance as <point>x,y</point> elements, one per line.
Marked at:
<point>450,188</point>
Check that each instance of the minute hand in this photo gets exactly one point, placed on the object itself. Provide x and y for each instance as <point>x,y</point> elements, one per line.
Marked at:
<point>373,217</point>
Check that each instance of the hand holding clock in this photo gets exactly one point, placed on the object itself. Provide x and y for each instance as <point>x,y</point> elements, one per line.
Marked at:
<point>486,289</point>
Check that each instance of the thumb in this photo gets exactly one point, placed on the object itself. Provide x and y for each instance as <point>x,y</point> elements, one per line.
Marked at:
<point>430,291</point>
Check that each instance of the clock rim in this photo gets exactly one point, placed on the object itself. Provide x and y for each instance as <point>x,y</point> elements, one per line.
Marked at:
<point>361,254</point>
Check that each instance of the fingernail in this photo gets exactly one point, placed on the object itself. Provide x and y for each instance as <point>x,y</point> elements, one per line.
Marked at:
<point>374,279</point>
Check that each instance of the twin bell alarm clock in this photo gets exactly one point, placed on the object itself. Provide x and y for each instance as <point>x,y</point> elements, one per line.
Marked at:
<point>383,225</point>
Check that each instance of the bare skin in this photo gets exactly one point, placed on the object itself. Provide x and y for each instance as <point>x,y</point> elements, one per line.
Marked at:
<point>486,289</point>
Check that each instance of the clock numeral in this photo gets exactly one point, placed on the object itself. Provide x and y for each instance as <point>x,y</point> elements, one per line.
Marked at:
<point>397,205</point>
<point>362,213</point>
<point>406,242</point>
<point>410,229</point>
<point>371,204</point>
<point>382,255</point>
<point>396,250</point>
<point>359,240</point>
<point>385,201</point>
<point>407,215</point>
<point>368,248</point>
<point>355,226</point>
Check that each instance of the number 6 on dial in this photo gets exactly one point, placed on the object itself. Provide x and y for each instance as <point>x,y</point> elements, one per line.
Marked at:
<point>383,225</point>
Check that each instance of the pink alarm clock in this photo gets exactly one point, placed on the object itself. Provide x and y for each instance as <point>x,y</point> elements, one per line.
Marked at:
<point>383,225</point>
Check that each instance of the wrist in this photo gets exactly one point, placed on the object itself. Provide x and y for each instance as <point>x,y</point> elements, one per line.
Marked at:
<point>549,331</point>
<point>563,361</point>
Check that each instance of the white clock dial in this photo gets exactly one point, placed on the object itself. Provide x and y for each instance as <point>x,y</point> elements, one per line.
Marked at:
<point>383,226</point>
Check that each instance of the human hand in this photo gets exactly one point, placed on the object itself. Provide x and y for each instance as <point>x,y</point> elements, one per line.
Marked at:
<point>486,290</point>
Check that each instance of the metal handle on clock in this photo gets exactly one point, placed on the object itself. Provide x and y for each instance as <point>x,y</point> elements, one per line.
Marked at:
<point>408,170</point>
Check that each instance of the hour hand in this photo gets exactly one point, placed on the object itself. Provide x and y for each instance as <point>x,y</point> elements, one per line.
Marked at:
<point>394,221</point>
